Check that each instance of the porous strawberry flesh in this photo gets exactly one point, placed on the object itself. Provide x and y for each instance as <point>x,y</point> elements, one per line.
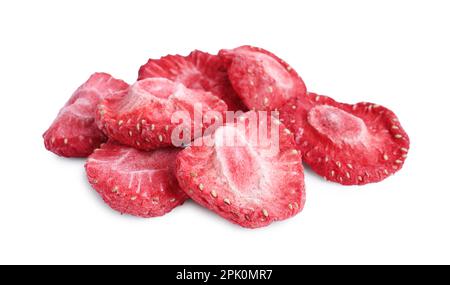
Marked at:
<point>142,118</point>
<point>74,132</point>
<point>246,183</point>
<point>135,182</point>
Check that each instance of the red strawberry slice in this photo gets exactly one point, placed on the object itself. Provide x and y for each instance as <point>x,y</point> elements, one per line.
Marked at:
<point>135,182</point>
<point>142,118</point>
<point>74,132</point>
<point>198,70</point>
<point>247,183</point>
<point>261,79</point>
<point>349,144</point>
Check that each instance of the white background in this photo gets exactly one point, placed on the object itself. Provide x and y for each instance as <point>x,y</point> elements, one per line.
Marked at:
<point>394,53</point>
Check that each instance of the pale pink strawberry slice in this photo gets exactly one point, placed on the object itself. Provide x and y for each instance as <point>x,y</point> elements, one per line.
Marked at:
<point>251,183</point>
<point>261,79</point>
<point>198,70</point>
<point>349,144</point>
<point>74,132</point>
<point>135,182</point>
<point>142,118</point>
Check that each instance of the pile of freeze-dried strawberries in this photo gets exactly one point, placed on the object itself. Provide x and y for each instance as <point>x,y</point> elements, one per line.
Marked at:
<point>127,133</point>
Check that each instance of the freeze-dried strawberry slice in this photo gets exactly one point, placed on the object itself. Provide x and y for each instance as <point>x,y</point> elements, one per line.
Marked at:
<point>198,70</point>
<point>74,132</point>
<point>135,182</point>
<point>349,144</point>
<point>142,118</point>
<point>252,182</point>
<point>261,79</point>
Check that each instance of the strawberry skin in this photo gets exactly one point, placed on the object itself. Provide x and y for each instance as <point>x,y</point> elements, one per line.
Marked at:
<point>199,70</point>
<point>261,79</point>
<point>348,144</point>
